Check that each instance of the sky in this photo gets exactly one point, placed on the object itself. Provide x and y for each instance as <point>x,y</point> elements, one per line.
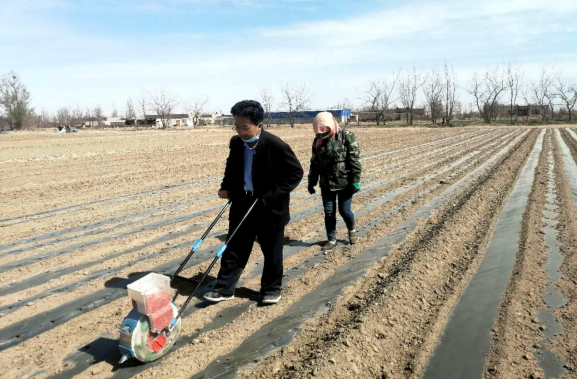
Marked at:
<point>85,52</point>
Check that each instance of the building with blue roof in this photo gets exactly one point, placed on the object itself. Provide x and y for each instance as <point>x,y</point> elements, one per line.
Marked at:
<point>306,117</point>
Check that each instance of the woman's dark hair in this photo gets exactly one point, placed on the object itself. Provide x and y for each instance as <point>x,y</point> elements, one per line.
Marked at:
<point>250,109</point>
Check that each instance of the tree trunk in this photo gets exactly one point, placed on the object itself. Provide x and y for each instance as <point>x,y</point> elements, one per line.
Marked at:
<point>487,117</point>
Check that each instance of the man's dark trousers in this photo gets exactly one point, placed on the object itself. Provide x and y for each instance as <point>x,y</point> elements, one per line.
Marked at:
<point>235,257</point>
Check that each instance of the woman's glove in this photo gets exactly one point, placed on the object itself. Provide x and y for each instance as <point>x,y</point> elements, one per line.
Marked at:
<point>356,187</point>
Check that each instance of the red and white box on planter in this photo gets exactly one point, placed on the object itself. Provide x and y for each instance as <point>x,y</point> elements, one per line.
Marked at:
<point>152,296</point>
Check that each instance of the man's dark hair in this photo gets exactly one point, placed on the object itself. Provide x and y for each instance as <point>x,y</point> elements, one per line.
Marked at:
<point>250,109</point>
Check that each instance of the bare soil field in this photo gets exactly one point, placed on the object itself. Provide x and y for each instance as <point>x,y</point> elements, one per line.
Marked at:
<point>466,265</point>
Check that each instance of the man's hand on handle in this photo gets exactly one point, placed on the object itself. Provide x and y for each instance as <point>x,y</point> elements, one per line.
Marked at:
<point>224,194</point>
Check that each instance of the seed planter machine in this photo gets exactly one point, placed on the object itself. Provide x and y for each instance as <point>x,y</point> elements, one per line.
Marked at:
<point>150,330</point>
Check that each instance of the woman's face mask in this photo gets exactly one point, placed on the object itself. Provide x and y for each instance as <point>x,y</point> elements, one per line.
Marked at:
<point>323,135</point>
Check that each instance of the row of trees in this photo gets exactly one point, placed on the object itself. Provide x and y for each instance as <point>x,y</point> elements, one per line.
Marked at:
<point>160,103</point>
<point>18,114</point>
<point>294,100</point>
<point>551,91</point>
<point>439,90</point>
<point>490,90</point>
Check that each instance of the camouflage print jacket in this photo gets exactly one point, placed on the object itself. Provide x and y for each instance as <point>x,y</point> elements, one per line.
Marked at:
<point>337,162</point>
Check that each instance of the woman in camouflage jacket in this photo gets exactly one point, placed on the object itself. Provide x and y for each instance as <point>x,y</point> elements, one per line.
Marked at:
<point>336,162</point>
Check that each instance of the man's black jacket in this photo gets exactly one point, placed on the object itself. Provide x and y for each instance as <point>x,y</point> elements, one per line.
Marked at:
<point>276,171</point>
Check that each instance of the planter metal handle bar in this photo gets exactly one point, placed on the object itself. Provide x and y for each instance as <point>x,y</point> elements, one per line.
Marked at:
<point>219,253</point>
<point>197,245</point>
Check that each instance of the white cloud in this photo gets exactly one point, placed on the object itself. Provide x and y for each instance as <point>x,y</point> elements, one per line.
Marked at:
<point>414,18</point>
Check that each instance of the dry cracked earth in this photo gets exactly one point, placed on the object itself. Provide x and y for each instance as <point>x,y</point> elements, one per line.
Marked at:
<point>466,265</point>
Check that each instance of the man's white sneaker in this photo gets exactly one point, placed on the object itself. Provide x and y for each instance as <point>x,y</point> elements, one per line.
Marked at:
<point>215,297</point>
<point>270,299</point>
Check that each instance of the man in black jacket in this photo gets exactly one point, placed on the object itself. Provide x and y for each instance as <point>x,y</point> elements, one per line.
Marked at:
<point>259,166</point>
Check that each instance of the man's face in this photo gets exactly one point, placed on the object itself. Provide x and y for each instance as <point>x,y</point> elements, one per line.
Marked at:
<point>245,127</point>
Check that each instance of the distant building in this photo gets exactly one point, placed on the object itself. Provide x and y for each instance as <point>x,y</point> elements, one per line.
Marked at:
<point>519,110</point>
<point>365,116</point>
<point>104,121</point>
<point>114,121</point>
<point>210,119</point>
<point>93,121</point>
<point>307,117</point>
<point>175,120</point>
<point>225,120</point>
<point>400,114</point>
<point>394,114</point>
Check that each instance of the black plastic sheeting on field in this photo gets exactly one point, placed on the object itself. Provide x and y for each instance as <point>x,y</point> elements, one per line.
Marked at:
<point>465,343</point>
<point>103,201</point>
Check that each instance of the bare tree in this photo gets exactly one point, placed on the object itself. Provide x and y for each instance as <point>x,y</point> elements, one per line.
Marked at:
<point>528,105</point>
<point>163,104</point>
<point>114,110</point>
<point>345,103</point>
<point>90,117</point>
<point>196,108</point>
<point>408,89</point>
<point>514,83</point>
<point>130,112</point>
<point>372,98</point>
<point>97,115</point>
<point>551,97</point>
<point>267,102</point>
<point>379,97</point>
<point>64,116</point>
<point>450,95</point>
<point>14,98</point>
<point>575,91</point>
<point>295,100</point>
<point>44,119</point>
<point>567,92</point>
<point>77,117</point>
<point>541,93</point>
<point>433,90</point>
<point>142,108</point>
<point>486,90</point>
